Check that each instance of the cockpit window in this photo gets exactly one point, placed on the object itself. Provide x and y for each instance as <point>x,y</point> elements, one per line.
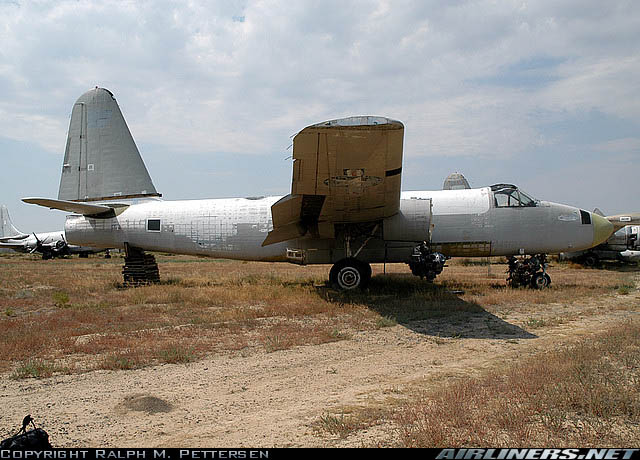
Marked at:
<point>526,200</point>
<point>507,195</point>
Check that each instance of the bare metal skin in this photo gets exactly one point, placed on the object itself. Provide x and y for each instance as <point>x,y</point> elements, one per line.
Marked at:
<point>464,224</point>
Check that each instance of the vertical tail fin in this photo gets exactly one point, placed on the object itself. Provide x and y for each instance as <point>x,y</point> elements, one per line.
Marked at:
<point>455,181</point>
<point>101,160</point>
<point>6,226</point>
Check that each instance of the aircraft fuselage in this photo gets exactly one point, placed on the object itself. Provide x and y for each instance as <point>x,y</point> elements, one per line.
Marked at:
<point>457,223</point>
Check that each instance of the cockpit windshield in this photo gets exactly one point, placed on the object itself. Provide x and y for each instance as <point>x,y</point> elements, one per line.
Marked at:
<point>508,195</point>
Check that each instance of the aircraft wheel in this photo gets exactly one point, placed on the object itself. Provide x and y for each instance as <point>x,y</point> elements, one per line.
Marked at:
<point>540,281</point>
<point>591,260</point>
<point>349,274</point>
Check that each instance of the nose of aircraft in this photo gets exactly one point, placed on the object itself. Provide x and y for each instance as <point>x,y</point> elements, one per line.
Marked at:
<point>602,229</point>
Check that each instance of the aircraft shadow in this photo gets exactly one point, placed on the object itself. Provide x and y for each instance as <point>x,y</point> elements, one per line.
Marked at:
<point>427,309</point>
<point>625,267</point>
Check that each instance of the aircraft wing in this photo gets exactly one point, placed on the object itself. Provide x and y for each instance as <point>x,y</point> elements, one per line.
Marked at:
<point>86,209</point>
<point>12,245</point>
<point>622,220</point>
<point>6,239</point>
<point>344,171</point>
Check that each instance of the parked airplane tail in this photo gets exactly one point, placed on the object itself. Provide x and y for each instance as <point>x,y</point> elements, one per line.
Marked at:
<point>6,226</point>
<point>455,181</point>
<point>101,160</point>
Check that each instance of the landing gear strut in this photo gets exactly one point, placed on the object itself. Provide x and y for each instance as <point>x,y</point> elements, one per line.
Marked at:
<point>350,273</point>
<point>529,271</point>
<point>426,263</point>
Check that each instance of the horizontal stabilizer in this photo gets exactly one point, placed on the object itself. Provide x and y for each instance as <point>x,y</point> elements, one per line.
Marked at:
<point>85,209</point>
<point>622,220</point>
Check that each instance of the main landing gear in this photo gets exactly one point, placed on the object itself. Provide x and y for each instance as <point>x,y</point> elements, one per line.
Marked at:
<point>350,273</point>
<point>529,272</point>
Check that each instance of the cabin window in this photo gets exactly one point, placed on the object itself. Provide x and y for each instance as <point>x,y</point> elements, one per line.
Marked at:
<point>153,225</point>
<point>586,217</point>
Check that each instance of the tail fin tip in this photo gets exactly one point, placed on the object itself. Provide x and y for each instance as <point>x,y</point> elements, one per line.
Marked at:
<point>6,226</point>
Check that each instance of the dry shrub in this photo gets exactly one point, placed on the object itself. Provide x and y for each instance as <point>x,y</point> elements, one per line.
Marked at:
<point>283,336</point>
<point>585,394</point>
<point>51,307</point>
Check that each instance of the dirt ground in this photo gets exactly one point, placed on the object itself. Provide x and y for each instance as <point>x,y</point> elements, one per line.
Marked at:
<point>276,399</point>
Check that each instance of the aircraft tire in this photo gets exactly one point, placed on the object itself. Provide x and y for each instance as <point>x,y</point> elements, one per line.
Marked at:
<point>591,260</point>
<point>350,274</point>
<point>540,281</point>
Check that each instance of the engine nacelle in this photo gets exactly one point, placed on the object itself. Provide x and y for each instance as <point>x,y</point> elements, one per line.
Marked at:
<point>411,223</point>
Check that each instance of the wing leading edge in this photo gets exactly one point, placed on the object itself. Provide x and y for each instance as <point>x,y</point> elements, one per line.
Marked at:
<point>344,171</point>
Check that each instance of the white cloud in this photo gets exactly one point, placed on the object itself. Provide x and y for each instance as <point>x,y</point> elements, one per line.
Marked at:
<point>469,79</point>
<point>243,76</point>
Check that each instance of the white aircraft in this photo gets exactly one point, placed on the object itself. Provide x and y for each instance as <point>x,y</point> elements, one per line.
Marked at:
<point>345,207</point>
<point>49,244</point>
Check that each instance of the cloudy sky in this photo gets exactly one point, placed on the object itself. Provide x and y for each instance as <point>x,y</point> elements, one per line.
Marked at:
<point>544,94</point>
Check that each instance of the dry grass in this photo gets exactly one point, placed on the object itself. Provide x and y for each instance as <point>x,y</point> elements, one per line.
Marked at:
<point>74,315</point>
<point>586,394</point>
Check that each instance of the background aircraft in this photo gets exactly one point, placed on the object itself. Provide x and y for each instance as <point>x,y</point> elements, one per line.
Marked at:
<point>345,207</point>
<point>623,245</point>
<point>49,244</point>
<point>455,181</point>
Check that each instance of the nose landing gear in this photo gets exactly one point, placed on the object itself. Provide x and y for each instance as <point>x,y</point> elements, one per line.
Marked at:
<point>529,272</point>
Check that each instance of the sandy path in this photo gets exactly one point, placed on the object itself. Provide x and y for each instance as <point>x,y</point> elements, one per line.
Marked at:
<point>270,399</point>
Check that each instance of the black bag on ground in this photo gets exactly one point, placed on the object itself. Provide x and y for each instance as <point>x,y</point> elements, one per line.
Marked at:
<point>32,439</point>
